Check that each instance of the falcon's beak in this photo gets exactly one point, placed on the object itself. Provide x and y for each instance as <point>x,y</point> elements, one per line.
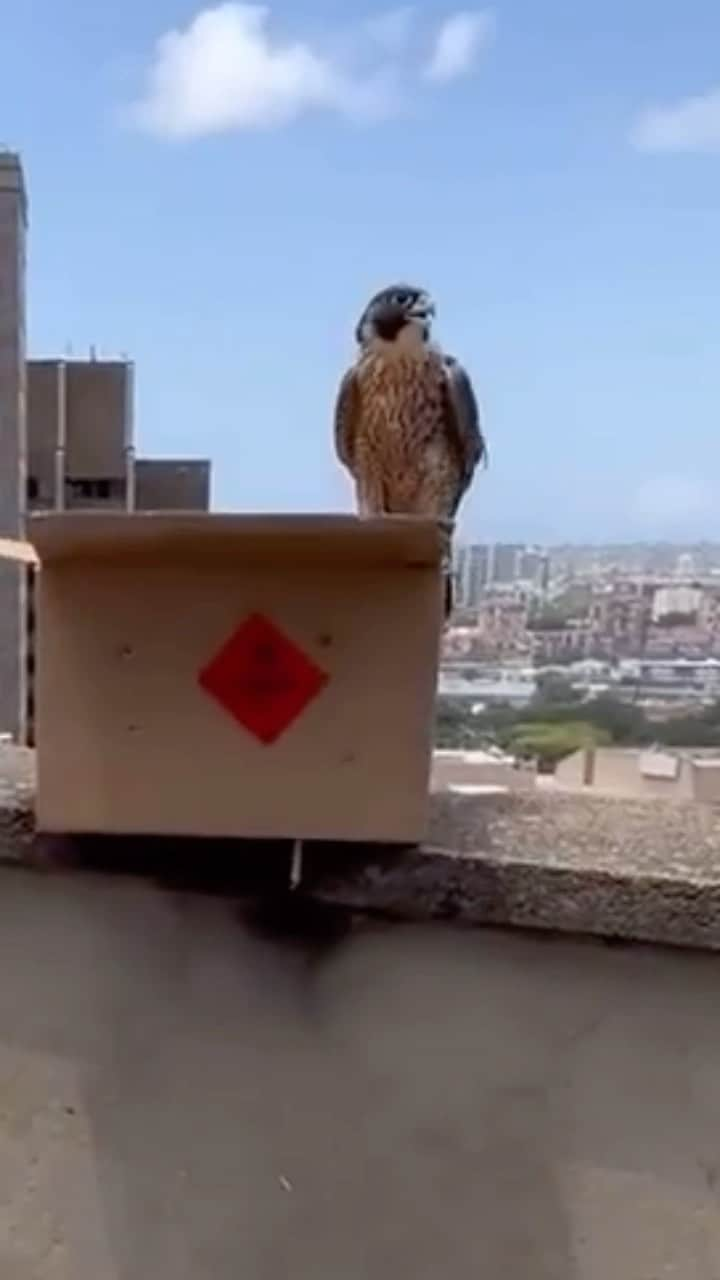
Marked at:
<point>422,309</point>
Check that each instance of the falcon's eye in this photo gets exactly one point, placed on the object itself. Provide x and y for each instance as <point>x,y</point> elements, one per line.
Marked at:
<point>402,299</point>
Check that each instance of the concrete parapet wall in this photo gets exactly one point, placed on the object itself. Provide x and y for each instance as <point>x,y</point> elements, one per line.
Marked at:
<point>475,769</point>
<point>628,869</point>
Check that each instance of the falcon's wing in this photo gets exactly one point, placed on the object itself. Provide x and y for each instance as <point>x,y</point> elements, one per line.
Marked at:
<point>347,417</point>
<point>464,419</point>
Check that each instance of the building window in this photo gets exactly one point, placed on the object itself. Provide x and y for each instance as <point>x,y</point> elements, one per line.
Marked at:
<point>91,490</point>
<point>30,606</point>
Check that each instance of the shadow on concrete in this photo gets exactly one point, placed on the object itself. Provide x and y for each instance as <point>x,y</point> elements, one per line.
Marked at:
<point>215,1106</point>
<point>256,874</point>
<point>184,1096</point>
<point>222,866</point>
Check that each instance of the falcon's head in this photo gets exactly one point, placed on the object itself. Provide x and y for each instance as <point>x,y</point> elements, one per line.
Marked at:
<point>392,310</point>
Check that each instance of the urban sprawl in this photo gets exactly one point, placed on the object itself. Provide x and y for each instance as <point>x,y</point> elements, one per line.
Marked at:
<point>639,622</point>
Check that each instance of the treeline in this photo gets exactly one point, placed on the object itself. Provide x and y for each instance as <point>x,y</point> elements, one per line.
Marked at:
<point>556,723</point>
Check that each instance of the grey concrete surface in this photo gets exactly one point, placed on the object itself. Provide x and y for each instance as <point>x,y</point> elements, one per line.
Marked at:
<point>642,870</point>
<point>186,1094</point>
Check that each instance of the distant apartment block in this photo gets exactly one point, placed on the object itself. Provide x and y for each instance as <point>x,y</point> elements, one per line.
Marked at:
<point>81,449</point>
<point>67,442</point>
<point>471,575</point>
<point>533,569</point>
<point>481,568</point>
<point>504,563</point>
<point>678,601</point>
<point>81,456</point>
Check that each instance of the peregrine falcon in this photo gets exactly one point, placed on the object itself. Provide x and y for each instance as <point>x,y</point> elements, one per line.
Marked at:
<point>407,425</point>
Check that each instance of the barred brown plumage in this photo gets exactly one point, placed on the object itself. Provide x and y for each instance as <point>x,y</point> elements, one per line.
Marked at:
<point>406,419</point>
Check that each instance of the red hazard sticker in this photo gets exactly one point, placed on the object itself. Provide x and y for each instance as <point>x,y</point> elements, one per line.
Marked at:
<point>262,678</point>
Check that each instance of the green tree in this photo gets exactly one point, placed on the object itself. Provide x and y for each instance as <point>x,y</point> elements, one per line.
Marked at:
<point>689,731</point>
<point>555,689</point>
<point>549,743</point>
<point>711,714</point>
<point>625,722</point>
<point>454,725</point>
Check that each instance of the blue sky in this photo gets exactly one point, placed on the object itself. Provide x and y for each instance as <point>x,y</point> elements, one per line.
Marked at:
<point>219,203</point>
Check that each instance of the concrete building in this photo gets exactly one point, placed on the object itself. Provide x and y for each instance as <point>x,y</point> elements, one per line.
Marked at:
<point>81,449</point>
<point>469,771</point>
<point>620,616</point>
<point>471,570</point>
<point>66,443</point>
<point>502,630</point>
<point>485,688</point>
<point>504,563</point>
<point>533,569</point>
<point>642,774</point>
<point>13,438</point>
<point>681,601</point>
<point>481,567</point>
<point>570,643</point>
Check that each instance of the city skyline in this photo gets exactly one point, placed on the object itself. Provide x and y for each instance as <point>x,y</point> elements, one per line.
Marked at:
<point>216,191</point>
<point>602,545</point>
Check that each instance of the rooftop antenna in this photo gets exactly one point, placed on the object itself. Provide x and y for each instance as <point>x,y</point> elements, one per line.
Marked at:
<point>93,352</point>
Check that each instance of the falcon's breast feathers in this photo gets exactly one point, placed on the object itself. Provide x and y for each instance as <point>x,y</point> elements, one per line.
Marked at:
<point>461,416</point>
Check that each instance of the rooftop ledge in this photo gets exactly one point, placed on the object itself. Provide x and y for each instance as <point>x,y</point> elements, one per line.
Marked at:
<point>637,870</point>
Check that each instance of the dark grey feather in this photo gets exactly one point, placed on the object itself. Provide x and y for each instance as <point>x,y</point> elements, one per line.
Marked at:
<point>464,420</point>
<point>346,418</point>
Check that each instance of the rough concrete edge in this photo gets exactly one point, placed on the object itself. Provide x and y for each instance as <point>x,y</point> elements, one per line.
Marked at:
<point>439,885</point>
<point>17,835</point>
<point>435,884</point>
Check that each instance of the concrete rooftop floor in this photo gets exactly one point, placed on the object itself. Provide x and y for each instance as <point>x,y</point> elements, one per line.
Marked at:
<point>186,1094</point>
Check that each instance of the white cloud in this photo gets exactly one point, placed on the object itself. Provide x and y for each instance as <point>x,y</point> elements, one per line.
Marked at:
<point>458,43</point>
<point>228,70</point>
<point>225,71</point>
<point>668,500</point>
<point>692,124</point>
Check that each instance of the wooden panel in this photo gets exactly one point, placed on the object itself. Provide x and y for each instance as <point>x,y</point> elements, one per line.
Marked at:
<point>202,538</point>
<point>129,742</point>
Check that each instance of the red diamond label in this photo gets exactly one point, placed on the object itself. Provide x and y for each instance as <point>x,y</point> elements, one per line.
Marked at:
<point>262,679</point>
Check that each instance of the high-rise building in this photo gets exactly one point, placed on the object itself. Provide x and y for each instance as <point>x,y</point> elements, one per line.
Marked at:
<point>81,445</point>
<point>482,568</point>
<point>504,563</point>
<point>81,456</point>
<point>13,220</point>
<point>533,568</point>
<point>471,573</point>
<point>66,444</point>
